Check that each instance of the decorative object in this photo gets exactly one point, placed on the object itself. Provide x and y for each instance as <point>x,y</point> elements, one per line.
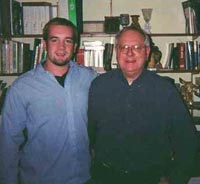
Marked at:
<point>124,20</point>
<point>187,91</point>
<point>155,57</point>
<point>135,21</point>
<point>93,26</point>
<point>107,56</point>
<point>146,12</point>
<point>111,24</point>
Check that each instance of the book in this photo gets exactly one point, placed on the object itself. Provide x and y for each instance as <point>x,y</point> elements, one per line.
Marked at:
<point>5,57</point>
<point>196,7</point>
<point>175,59</point>
<point>26,58</point>
<point>80,56</point>
<point>16,18</point>
<point>181,55</point>
<point>168,56</point>
<point>35,16</point>
<point>190,17</point>
<point>72,11</point>
<point>1,17</point>
<point>6,23</point>
<point>11,19</point>
<point>75,9</point>
<point>79,15</point>
<point>189,55</point>
<point>38,53</point>
<point>107,56</point>
<point>1,46</point>
<point>195,43</point>
<point>15,57</point>
<point>198,48</point>
<point>93,53</point>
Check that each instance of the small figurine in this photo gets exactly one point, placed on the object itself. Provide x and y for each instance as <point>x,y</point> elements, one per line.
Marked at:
<point>188,89</point>
<point>154,58</point>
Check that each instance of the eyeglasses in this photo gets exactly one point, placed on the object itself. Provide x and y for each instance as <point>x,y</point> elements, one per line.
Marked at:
<point>134,48</point>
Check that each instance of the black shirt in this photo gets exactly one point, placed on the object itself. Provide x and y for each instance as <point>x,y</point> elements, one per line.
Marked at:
<point>142,125</point>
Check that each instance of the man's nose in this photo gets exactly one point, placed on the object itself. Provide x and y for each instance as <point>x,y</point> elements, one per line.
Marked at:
<point>62,44</point>
<point>130,51</point>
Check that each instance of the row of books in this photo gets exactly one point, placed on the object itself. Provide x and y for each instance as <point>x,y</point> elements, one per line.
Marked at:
<point>38,52</point>
<point>15,57</point>
<point>10,18</point>
<point>93,53</point>
<point>191,10</point>
<point>96,54</point>
<point>36,15</point>
<point>19,18</point>
<point>182,56</point>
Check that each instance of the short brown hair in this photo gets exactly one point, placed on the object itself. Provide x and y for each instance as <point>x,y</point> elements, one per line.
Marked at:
<point>60,21</point>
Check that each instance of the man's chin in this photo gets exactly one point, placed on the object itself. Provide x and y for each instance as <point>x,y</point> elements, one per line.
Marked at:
<point>61,63</point>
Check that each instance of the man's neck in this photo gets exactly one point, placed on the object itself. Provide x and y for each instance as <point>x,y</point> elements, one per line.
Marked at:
<point>131,77</point>
<point>56,70</point>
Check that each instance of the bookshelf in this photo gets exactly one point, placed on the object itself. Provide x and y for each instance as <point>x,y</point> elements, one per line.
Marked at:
<point>167,26</point>
<point>22,52</point>
<point>168,30</point>
<point>16,47</point>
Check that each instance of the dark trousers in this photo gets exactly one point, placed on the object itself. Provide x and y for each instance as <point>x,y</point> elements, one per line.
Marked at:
<point>104,174</point>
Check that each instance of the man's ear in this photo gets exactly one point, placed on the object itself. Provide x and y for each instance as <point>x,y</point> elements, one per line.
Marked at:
<point>75,47</point>
<point>44,45</point>
<point>148,50</point>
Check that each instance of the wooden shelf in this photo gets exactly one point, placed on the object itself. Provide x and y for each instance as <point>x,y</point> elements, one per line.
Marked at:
<point>22,36</point>
<point>10,74</point>
<point>95,34</point>
<point>177,71</point>
<point>173,34</point>
<point>102,34</point>
<point>153,34</point>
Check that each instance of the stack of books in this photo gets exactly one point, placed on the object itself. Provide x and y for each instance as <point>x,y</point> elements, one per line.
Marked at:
<point>182,56</point>
<point>93,53</point>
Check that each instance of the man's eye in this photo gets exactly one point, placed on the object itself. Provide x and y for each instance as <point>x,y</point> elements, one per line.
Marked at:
<point>69,41</point>
<point>125,47</point>
<point>53,39</point>
<point>137,47</point>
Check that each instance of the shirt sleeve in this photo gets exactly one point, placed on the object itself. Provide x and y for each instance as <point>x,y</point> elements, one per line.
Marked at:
<point>11,136</point>
<point>184,140</point>
<point>91,115</point>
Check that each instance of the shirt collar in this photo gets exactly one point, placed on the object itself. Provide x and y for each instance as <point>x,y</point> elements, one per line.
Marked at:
<point>138,81</point>
<point>40,68</point>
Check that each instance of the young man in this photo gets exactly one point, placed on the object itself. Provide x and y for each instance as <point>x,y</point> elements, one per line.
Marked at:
<point>44,121</point>
<point>140,129</point>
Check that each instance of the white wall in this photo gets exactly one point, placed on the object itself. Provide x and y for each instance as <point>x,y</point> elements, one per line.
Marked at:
<point>167,16</point>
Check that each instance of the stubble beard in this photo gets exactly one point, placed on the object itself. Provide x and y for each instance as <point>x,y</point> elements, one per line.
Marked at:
<point>59,62</point>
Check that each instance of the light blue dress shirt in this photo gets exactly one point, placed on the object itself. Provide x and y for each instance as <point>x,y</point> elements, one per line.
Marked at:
<point>55,119</point>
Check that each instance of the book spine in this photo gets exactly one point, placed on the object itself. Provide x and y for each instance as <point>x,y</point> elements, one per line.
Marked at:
<point>181,55</point>
<point>6,23</point>
<point>16,18</point>
<point>1,18</point>
<point>72,11</point>
<point>190,55</point>
<point>80,56</point>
